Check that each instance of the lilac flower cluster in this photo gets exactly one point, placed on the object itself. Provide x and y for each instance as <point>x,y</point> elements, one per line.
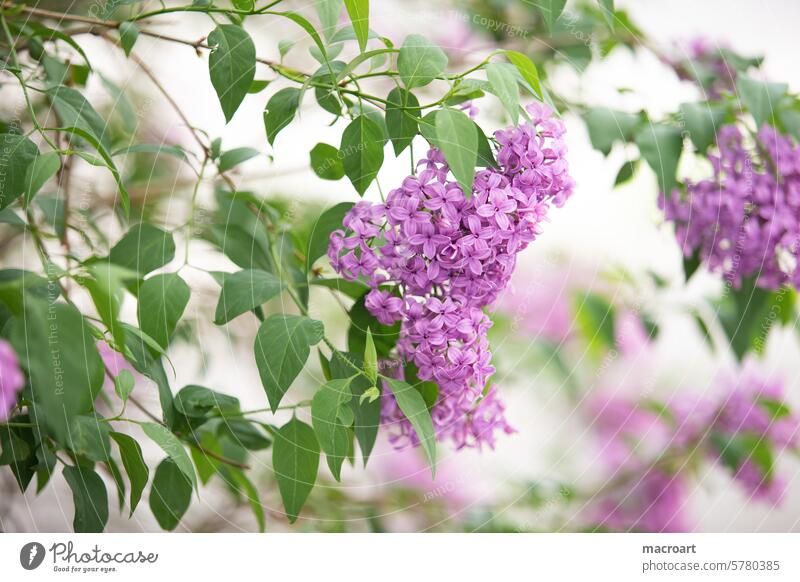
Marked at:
<point>649,450</point>
<point>11,379</point>
<point>709,65</point>
<point>435,258</point>
<point>644,497</point>
<point>754,408</point>
<point>742,221</point>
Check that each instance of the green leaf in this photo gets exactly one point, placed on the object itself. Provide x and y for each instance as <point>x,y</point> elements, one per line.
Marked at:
<point>123,385</point>
<point>702,121</point>
<point>326,163</point>
<point>384,336</point>
<point>231,65</point>
<point>328,11</point>
<point>333,435</point>
<point>361,152</point>
<point>281,350</point>
<point>366,415</point>
<point>551,10</point>
<point>106,286</point>
<point>17,285</point>
<point>504,85</point>
<point>427,389</point>
<point>455,132</point>
<point>252,497</point>
<point>745,447</point>
<point>128,33</point>
<point>135,467</point>
<point>760,97</point>
<point>416,411</point>
<point>18,155</point>
<point>280,111</point>
<point>295,461</point>
<point>243,291</point>
<point>775,408</point>
<point>352,289</point>
<point>143,248</point>
<point>323,80</point>
<point>358,11</point>
<point>240,234</point>
<point>370,359</point>
<point>90,499</point>
<point>661,146</point>
<point>108,161</point>
<point>88,436</point>
<point>361,58</point>
<point>308,27</point>
<point>401,123</point>
<point>749,312</point>
<point>162,300</point>
<point>607,8</point>
<point>626,172</point>
<point>152,148</point>
<point>170,444</point>
<point>50,34</point>
<point>420,61</point>
<point>65,376</point>
<point>257,86</point>
<point>607,126</point>
<point>244,433</point>
<point>232,158</point>
<point>74,111</point>
<point>20,450</point>
<point>284,46</point>
<point>170,494</point>
<point>39,172</point>
<point>527,69</point>
<point>142,348</point>
<point>116,476</point>
<point>595,318</point>
<point>319,237</point>
<point>370,395</point>
<point>198,401</point>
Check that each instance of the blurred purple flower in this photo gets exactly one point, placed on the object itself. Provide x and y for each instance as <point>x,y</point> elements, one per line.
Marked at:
<point>648,449</point>
<point>11,379</point>
<point>652,502</point>
<point>114,362</point>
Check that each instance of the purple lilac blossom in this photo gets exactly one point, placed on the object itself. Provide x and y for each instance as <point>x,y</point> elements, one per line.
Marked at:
<point>743,221</point>
<point>653,502</point>
<point>645,497</point>
<point>435,258</point>
<point>748,408</point>
<point>707,64</point>
<point>636,441</point>
<point>11,379</point>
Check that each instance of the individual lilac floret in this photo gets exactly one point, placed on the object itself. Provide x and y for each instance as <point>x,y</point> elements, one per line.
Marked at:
<point>435,258</point>
<point>743,221</point>
<point>11,379</point>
